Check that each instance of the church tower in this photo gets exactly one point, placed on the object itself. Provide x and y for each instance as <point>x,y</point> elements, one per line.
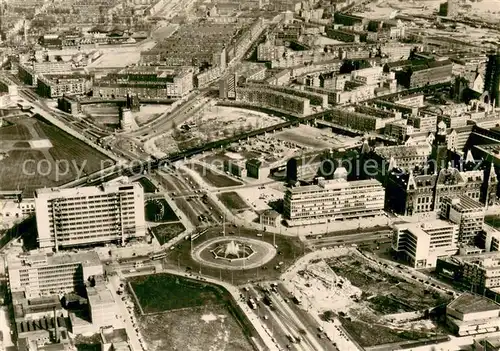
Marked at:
<point>489,186</point>
<point>439,153</point>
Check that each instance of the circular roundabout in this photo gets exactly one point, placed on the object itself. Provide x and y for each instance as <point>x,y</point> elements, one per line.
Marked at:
<point>234,253</point>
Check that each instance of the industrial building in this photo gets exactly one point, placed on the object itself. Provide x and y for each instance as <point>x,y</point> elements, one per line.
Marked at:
<point>332,200</point>
<point>28,73</point>
<point>420,245</point>
<point>39,274</point>
<point>89,215</point>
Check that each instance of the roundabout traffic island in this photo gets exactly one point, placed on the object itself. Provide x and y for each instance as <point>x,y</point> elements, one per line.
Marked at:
<point>233,253</point>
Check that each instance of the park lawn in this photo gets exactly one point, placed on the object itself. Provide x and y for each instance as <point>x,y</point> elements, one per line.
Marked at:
<point>166,232</point>
<point>153,211</point>
<point>493,220</point>
<point>14,132</point>
<point>67,147</point>
<point>165,292</point>
<point>215,179</point>
<point>17,173</point>
<point>233,201</point>
<point>147,185</point>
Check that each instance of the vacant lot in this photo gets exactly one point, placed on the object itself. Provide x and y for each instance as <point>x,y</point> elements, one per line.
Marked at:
<point>404,295</point>
<point>369,334</point>
<point>215,179</point>
<point>160,211</point>
<point>166,232</point>
<point>183,314</point>
<point>233,201</point>
<point>384,293</point>
<point>194,329</point>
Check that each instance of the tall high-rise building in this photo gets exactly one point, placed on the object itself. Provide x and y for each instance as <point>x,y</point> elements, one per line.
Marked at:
<point>227,88</point>
<point>439,152</point>
<point>492,78</point>
<point>89,215</point>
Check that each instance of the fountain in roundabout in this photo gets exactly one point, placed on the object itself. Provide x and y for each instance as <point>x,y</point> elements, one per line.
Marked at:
<point>233,251</point>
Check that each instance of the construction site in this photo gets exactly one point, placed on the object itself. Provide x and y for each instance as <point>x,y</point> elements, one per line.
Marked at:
<point>213,123</point>
<point>374,303</point>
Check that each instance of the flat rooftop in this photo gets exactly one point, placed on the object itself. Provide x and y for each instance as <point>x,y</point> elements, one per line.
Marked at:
<point>469,303</point>
<point>422,229</point>
<point>114,335</point>
<point>335,184</point>
<point>84,191</point>
<point>36,259</point>
<point>464,202</point>
<point>99,295</point>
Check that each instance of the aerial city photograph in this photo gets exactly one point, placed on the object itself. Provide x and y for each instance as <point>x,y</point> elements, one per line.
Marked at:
<point>249,175</point>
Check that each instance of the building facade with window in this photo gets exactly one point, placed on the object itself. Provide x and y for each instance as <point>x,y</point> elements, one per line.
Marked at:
<point>332,200</point>
<point>38,274</point>
<point>420,245</point>
<point>89,215</point>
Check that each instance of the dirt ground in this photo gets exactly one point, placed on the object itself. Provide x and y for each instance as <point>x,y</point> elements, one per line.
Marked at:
<point>375,304</point>
<point>214,123</point>
<point>312,138</point>
<point>207,328</point>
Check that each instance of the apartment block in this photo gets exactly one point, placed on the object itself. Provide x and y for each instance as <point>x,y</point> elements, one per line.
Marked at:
<point>89,215</point>
<point>264,97</point>
<point>420,245</point>
<point>467,213</point>
<point>398,130</point>
<point>28,73</point>
<point>53,86</point>
<point>423,122</point>
<point>38,274</point>
<point>404,156</point>
<point>314,98</point>
<point>357,121</point>
<point>147,82</point>
<point>332,200</point>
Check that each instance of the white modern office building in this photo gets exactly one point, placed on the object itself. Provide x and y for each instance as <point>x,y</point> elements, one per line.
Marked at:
<point>39,274</point>
<point>467,213</point>
<point>332,200</point>
<point>102,305</point>
<point>422,244</point>
<point>89,215</point>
